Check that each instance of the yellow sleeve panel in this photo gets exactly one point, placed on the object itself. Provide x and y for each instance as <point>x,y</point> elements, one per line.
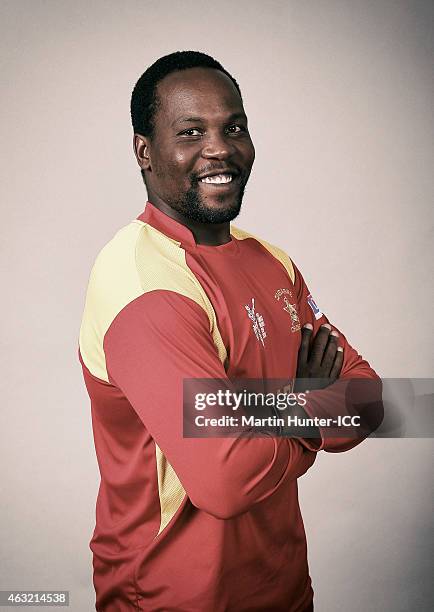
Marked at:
<point>138,259</point>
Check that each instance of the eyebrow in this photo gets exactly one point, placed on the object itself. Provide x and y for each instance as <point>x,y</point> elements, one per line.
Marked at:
<point>232,117</point>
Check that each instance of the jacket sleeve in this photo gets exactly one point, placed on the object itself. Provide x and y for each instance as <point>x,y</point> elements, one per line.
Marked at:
<point>153,344</point>
<point>357,392</point>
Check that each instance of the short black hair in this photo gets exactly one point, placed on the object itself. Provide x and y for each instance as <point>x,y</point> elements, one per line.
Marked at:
<point>144,99</point>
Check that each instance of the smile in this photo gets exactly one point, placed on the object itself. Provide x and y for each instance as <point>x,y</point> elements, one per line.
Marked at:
<point>217,179</point>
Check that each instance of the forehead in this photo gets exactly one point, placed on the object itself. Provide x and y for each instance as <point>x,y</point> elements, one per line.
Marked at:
<point>198,92</point>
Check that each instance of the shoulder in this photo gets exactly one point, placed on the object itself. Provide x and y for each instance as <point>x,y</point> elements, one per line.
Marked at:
<point>137,261</point>
<point>113,277</point>
<point>278,253</point>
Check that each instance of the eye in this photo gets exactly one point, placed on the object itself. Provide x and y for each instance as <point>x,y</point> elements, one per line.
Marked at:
<point>236,129</point>
<point>191,132</point>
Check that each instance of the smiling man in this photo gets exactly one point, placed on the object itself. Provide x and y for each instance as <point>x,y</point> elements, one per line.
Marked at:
<point>197,158</point>
<point>184,524</point>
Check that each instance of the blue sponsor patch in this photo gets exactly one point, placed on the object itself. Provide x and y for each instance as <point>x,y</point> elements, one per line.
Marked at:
<point>316,311</point>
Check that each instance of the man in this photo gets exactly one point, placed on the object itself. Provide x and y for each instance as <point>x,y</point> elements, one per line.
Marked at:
<point>184,524</point>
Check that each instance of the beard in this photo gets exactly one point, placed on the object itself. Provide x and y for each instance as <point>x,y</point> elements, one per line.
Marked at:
<point>192,205</point>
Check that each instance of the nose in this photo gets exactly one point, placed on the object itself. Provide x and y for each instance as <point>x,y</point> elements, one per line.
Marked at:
<point>217,146</point>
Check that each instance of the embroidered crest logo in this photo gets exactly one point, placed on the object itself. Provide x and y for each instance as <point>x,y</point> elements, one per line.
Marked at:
<point>286,294</point>
<point>258,323</point>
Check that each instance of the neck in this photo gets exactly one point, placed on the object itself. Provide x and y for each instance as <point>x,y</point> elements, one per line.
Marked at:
<point>211,234</point>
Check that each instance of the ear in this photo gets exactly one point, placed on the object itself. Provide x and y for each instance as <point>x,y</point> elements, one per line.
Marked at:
<point>141,151</point>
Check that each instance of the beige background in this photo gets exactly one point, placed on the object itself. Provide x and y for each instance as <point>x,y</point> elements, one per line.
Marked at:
<point>339,96</point>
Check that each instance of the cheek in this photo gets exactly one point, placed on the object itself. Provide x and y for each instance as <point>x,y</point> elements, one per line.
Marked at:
<point>249,152</point>
<point>164,167</point>
<point>165,156</point>
<point>171,159</point>
<point>181,157</point>
<point>179,166</point>
<point>172,173</point>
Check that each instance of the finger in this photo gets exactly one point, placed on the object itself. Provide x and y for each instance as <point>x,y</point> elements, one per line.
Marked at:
<point>329,354</point>
<point>319,344</point>
<point>339,359</point>
<point>303,351</point>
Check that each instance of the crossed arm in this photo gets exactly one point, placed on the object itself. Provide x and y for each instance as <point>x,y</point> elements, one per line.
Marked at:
<point>160,339</point>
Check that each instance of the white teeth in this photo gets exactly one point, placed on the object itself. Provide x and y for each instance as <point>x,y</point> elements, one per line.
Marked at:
<point>217,179</point>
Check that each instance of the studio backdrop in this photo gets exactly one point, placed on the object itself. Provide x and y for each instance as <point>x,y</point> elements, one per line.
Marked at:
<point>339,100</point>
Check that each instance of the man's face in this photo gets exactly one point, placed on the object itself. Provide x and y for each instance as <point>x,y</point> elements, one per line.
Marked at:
<point>201,153</point>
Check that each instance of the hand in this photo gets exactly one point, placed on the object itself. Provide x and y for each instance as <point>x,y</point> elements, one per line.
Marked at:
<point>319,360</point>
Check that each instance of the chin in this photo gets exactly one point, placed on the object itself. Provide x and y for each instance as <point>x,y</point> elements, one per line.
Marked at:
<point>211,210</point>
<point>218,212</point>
